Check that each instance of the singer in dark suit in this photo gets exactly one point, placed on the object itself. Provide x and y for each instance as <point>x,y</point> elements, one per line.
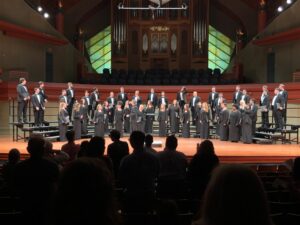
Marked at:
<point>23,98</point>
<point>95,99</point>
<point>112,102</point>
<point>153,98</point>
<point>137,98</point>
<point>163,100</point>
<point>237,95</point>
<point>277,105</point>
<point>193,103</point>
<point>122,97</point>
<point>284,94</point>
<point>245,97</point>
<point>212,96</point>
<point>37,102</point>
<point>181,97</point>
<point>88,103</point>
<point>45,98</point>
<point>265,107</point>
<point>71,98</point>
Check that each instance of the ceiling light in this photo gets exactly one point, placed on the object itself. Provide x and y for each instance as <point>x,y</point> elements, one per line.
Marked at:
<point>46,15</point>
<point>289,2</point>
<point>39,8</point>
<point>280,9</point>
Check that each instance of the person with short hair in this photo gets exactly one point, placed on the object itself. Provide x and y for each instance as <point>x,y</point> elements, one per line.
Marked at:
<point>71,97</point>
<point>265,107</point>
<point>235,118</point>
<point>162,120</point>
<point>234,195</point>
<point>122,97</point>
<point>237,95</point>
<point>223,122</point>
<point>117,150</point>
<point>71,148</point>
<point>148,144</point>
<point>63,120</point>
<point>99,121</point>
<point>185,118</point>
<point>23,98</point>
<point>277,105</point>
<point>173,164</point>
<point>212,96</point>
<point>8,167</point>
<point>45,97</point>
<point>205,117</point>
<point>284,94</point>
<point>38,107</point>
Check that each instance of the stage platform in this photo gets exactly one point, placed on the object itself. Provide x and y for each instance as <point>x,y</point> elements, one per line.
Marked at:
<point>227,151</point>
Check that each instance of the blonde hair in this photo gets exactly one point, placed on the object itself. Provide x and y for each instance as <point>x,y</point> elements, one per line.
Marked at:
<point>98,106</point>
<point>205,106</point>
<point>76,107</point>
<point>242,104</point>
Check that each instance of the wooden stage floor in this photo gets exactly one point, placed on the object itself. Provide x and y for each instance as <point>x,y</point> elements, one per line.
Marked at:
<point>227,151</point>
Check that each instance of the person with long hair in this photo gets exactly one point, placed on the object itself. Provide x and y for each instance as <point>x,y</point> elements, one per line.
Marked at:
<point>205,117</point>
<point>246,125</point>
<point>162,120</point>
<point>234,196</point>
<point>150,110</point>
<point>223,122</point>
<point>84,109</point>
<point>63,121</point>
<point>77,115</point>
<point>198,119</point>
<point>186,121</point>
<point>141,119</point>
<point>119,116</point>
<point>234,124</point>
<point>127,117</point>
<point>99,121</point>
<point>107,113</point>
<point>174,117</point>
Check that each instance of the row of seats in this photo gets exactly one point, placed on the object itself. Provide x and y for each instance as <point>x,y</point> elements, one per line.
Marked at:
<point>160,77</point>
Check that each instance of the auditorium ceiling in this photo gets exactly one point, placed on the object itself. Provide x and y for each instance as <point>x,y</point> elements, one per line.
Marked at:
<point>225,15</point>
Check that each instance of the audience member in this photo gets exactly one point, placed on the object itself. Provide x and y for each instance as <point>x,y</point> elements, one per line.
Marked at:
<point>85,195</point>
<point>117,150</point>
<point>9,166</point>
<point>96,149</point>
<point>173,164</point>
<point>34,181</point>
<point>201,167</point>
<point>234,196</point>
<point>58,157</point>
<point>83,148</point>
<point>71,148</point>
<point>148,144</point>
<point>138,170</point>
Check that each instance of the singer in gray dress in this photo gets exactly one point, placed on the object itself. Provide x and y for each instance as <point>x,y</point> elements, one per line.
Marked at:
<point>99,121</point>
<point>234,124</point>
<point>186,121</point>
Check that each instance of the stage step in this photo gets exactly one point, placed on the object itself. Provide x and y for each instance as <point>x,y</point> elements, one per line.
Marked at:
<point>262,140</point>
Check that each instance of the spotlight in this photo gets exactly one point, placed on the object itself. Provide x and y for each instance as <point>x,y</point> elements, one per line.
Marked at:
<point>280,9</point>
<point>39,8</point>
<point>46,15</point>
<point>289,2</point>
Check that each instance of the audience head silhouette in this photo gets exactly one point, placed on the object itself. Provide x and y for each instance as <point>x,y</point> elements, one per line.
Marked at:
<point>206,148</point>
<point>148,140</point>
<point>234,196</point>
<point>137,139</point>
<point>14,156</point>
<point>83,148</point>
<point>70,135</point>
<point>296,169</point>
<point>96,147</point>
<point>36,146</point>
<point>171,143</point>
<point>115,135</point>
<point>85,194</point>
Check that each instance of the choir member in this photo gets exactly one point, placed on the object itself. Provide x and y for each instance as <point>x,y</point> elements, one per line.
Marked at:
<point>149,117</point>
<point>174,116</point>
<point>253,108</point>
<point>137,98</point>
<point>133,116</point>
<point>198,119</point>
<point>141,119</point>
<point>95,99</point>
<point>153,98</point>
<point>205,117</point>
<point>193,103</point>
<point>277,105</point>
<point>77,117</point>
<point>234,124</point>
<point>23,98</point>
<point>223,122</point>
<point>88,103</point>
<point>182,97</point>
<point>218,103</point>
<point>45,97</point>
<point>63,120</point>
<point>246,126</point>
<point>265,107</point>
<point>99,121</point>
<point>71,98</point>
<point>112,104</point>
<point>107,114</point>
<point>163,100</point>
<point>211,101</point>
<point>85,115</point>
<point>119,117</point>
<point>245,97</point>
<point>127,117</point>
<point>63,97</point>
<point>122,97</point>
<point>284,94</point>
<point>186,121</point>
<point>37,102</point>
<point>162,120</point>
<point>237,95</point>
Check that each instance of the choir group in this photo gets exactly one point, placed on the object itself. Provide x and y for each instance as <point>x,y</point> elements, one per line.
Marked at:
<point>128,114</point>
